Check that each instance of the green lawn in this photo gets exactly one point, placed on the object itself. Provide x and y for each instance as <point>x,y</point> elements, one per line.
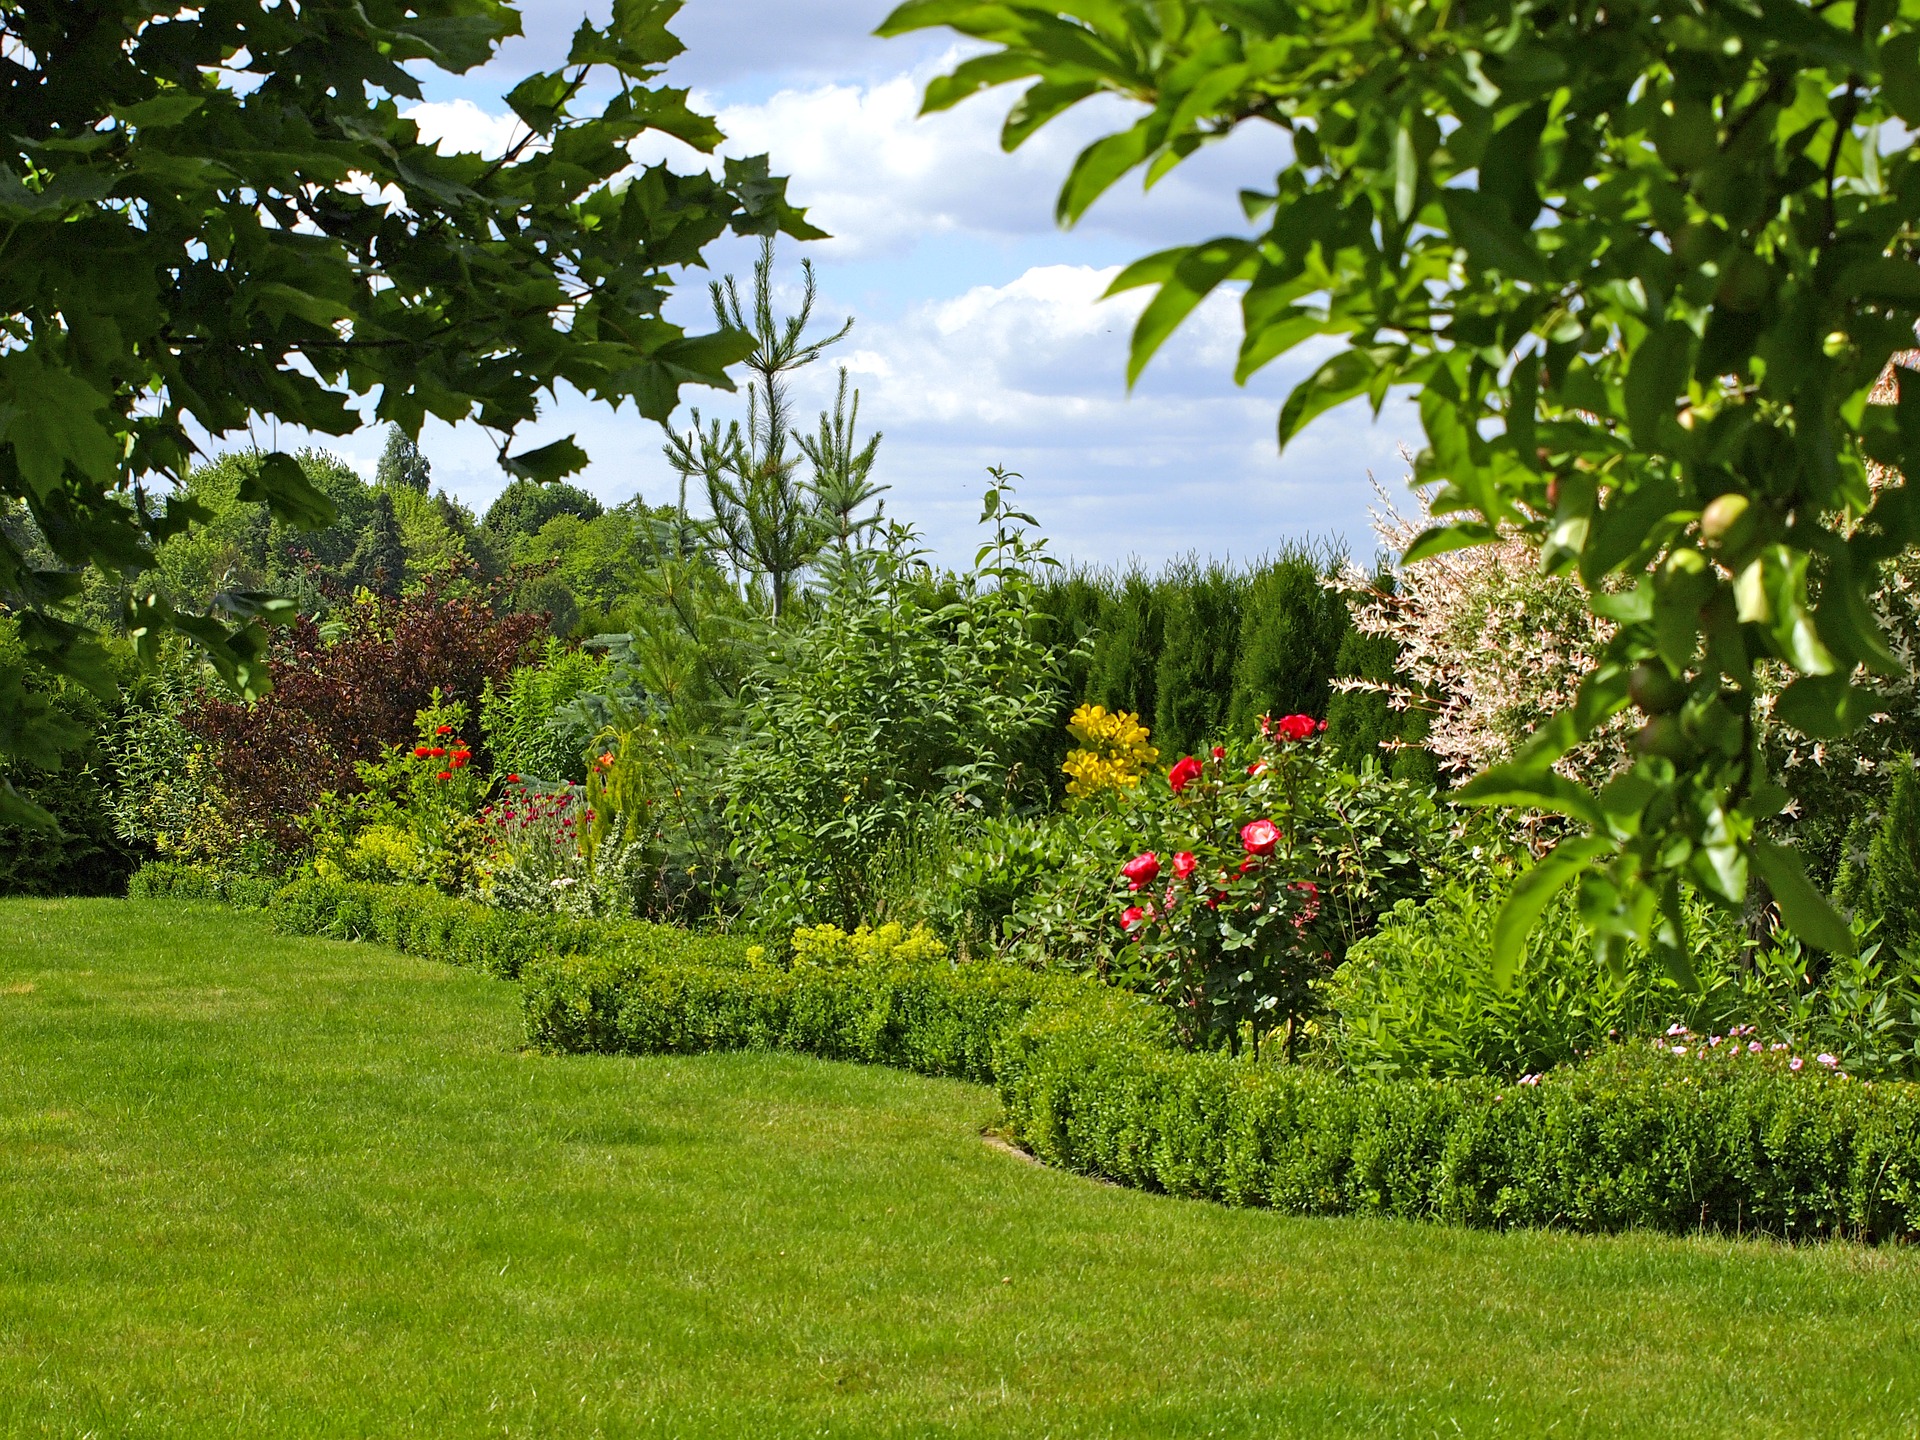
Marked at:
<point>258,1186</point>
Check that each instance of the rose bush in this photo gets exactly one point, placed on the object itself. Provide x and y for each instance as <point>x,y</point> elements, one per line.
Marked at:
<point>1280,861</point>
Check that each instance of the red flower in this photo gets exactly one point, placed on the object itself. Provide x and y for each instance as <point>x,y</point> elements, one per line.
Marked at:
<point>1131,918</point>
<point>420,752</point>
<point>1184,863</point>
<point>1141,870</point>
<point>1187,771</point>
<point>459,761</point>
<point>443,730</point>
<point>1296,727</point>
<point>437,751</point>
<point>444,775</point>
<point>1258,837</point>
<point>1246,865</point>
<point>1259,767</point>
<point>513,779</point>
<point>1219,752</point>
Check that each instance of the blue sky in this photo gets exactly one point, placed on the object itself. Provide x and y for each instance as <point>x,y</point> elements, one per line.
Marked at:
<point>979,336</point>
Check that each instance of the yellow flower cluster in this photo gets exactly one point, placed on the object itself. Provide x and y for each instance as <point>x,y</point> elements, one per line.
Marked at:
<point>1113,752</point>
<point>830,947</point>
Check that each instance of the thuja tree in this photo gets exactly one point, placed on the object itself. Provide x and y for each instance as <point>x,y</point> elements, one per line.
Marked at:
<point>217,215</point>
<point>1643,262</point>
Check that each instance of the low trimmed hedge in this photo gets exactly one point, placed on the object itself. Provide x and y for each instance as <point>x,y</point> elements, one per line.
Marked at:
<point>420,920</point>
<point>928,1018</point>
<point>174,880</point>
<point>1093,1082</point>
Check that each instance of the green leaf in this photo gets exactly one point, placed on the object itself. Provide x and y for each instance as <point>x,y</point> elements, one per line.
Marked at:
<point>1529,897</point>
<point>1342,377</point>
<point>970,77</point>
<point>1406,174</point>
<point>1439,539</point>
<point>1824,707</point>
<point>548,463</point>
<point>1900,76</point>
<point>1803,907</point>
<point>169,107</point>
<point>283,485</point>
<point>52,419</point>
<point>1099,165</point>
<point>1193,275</point>
<point>1657,374</point>
<point>1480,224</point>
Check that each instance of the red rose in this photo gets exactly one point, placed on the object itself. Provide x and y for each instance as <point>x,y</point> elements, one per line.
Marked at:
<point>1141,870</point>
<point>1258,837</point>
<point>1132,917</point>
<point>1183,774</point>
<point>1184,863</point>
<point>1219,752</point>
<point>1296,727</point>
<point>1258,768</point>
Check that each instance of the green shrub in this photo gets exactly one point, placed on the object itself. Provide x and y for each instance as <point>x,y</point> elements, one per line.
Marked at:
<point>1880,878</point>
<point>931,1018</point>
<point>180,880</point>
<point>533,726</point>
<point>1193,683</point>
<point>1361,723</point>
<point>1418,998</point>
<point>424,922</point>
<point>1631,1140</point>
<point>1126,647</point>
<point>1292,629</point>
<point>1092,1082</point>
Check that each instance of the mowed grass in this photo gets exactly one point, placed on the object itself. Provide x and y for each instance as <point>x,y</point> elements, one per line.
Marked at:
<point>259,1186</point>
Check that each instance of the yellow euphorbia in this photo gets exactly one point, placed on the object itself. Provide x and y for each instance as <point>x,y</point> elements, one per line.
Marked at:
<point>1113,752</point>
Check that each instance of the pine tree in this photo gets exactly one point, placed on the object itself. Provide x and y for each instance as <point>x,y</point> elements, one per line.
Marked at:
<point>402,466</point>
<point>772,525</point>
<point>380,559</point>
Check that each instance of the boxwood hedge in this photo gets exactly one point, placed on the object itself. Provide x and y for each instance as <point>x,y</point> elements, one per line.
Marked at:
<point>1092,1081</point>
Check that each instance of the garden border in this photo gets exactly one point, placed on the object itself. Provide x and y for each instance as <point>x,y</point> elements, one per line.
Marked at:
<point>1093,1082</point>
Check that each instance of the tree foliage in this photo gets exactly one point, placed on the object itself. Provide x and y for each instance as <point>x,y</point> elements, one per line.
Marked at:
<point>1644,262</point>
<point>216,215</point>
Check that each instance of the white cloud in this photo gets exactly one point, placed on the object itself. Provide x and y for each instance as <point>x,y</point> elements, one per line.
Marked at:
<point>462,126</point>
<point>880,176</point>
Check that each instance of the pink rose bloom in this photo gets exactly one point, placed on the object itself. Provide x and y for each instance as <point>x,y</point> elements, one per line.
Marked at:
<point>1131,918</point>
<point>1258,837</point>
<point>1184,863</point>
<point>1141,870</point>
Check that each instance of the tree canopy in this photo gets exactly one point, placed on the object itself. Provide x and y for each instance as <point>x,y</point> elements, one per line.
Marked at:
<point>1644,263</point>
<point>217,217</point>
